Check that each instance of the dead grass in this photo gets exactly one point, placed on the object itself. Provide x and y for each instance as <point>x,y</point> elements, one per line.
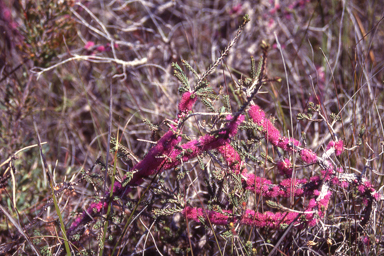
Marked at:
<point>323,59</point>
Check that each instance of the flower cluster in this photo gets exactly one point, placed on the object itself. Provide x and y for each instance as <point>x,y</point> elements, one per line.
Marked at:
<point>187,101</point>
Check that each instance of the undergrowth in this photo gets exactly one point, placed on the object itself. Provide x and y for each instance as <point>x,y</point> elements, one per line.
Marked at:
<point>191,128</point>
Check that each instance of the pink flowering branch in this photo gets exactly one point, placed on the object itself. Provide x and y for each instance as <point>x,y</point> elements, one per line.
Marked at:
<point>249,217</point>
<point>165,156</point>
<point>155,157</point>
<point>315,210</point>
<point>316,186</point>
<point>286,188</point>
<point>289,144</point>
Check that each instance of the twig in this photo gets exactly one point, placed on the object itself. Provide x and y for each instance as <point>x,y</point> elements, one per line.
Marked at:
<point>94,59</point>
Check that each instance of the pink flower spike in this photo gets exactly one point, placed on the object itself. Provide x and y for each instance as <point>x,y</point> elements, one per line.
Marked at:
<point>231,156</point>
<point>219,218</point>
<point>187,101</point>
<point>273,134</point>
<point>257,115</point>
<point>193,213</point>
<point>232,126</point>
<point>151,162</point>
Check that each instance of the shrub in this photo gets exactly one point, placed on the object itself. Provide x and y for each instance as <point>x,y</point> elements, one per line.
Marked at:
<point>219,171</point>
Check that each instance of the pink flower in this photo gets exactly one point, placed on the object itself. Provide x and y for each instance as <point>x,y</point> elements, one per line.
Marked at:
<point>116,187</point>
<point>256,183</point>
<point>257,115</point>
<point>187,101</point>
<point>267,219</point>
<point>286,144</point>
<point>285,167</point>
<point>193,213</point>
<point>361,188</point>
<point>96,206</point>
<point>313,222</point>
<point>368,184</point>
<point>233,125</point>
<point>323,204</point>
<point>7,14</point>
<point>231,156</point>
<point>344,184</point>
<point>314,179</point>
<point>219,218</point>
<point>338,145</point>
<point>236,9</point>
<point>335,181</point>
<point>274,192</point>
<point>273,134</point>
<point>326,174</point>
<point>312,204</point>
<point>365,240</point>
<point>89,45</point>
<point>100,48</point>
<point>308,156</point>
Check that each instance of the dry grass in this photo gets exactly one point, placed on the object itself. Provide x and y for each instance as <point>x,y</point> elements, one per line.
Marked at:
<point>74,95</point>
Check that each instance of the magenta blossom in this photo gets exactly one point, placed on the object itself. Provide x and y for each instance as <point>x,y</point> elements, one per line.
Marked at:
<point>285,167</point>
<point>89,45</point>
<point>308,156</point>
<point>187,101</point>
<point>338,145</point>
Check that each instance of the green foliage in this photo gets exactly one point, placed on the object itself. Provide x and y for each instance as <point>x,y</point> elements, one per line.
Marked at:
<point>46,24</point>
<point>179,74</point>
<point>167,211</point>
<point>189,67</point>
